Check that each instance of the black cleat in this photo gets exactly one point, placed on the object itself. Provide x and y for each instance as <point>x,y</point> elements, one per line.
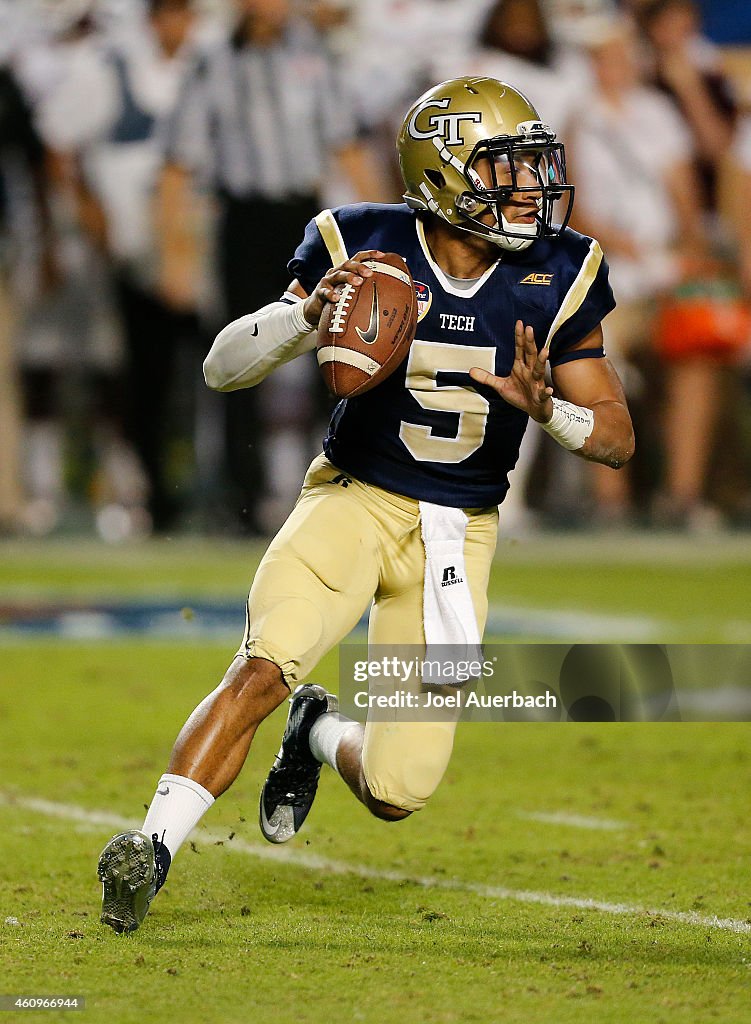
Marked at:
<point>132,869</point>
<point>290,789</point>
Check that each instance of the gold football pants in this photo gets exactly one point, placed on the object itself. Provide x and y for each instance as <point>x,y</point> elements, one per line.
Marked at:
<point>347,544</point>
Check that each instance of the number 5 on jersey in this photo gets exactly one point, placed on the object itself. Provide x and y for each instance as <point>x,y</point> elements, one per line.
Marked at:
<point>426,360</point>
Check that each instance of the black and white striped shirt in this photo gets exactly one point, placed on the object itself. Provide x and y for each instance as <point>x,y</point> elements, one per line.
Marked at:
<point>261,121</point>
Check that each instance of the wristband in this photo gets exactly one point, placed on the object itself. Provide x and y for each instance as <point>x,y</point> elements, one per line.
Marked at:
<point>570,425</point>
<point>297,321</point>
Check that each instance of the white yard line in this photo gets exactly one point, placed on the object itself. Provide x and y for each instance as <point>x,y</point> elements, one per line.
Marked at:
<point>574,820</point>
<point>91,820</point>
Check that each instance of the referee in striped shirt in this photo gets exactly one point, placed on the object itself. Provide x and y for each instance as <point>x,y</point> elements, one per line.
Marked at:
<point>259,116</point>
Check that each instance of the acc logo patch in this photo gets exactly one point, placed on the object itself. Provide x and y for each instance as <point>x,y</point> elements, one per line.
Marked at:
<point>537,279</point>
<point>424,299</point>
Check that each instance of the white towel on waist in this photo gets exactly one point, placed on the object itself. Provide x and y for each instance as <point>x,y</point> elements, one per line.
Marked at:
<point>448,612</point>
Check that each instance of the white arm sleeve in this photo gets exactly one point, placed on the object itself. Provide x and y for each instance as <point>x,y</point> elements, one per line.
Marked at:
<point>248,349</point>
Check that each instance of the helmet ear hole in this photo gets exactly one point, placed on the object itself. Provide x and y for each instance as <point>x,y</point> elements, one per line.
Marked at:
<point>435,178</point>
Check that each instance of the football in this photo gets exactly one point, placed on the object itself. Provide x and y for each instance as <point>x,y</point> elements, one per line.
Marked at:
<point>365,335</point>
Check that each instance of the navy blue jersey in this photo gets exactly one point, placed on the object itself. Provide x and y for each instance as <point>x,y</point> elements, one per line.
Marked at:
<point>429,431</point>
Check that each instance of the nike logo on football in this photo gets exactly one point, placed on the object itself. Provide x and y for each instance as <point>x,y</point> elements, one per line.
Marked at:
<point>254,330</point>
<point>368,337</point>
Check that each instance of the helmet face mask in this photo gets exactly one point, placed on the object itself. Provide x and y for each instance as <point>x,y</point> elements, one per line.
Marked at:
<point>533,168</point>
<point>474,152</point>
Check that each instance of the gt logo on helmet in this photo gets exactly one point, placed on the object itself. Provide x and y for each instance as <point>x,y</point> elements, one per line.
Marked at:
<point>444,125</point>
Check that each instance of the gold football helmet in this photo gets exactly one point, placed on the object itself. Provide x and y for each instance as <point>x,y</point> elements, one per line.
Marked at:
<point>468,145</point>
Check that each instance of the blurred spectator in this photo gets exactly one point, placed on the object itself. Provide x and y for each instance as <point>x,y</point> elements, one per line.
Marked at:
<point>687,69</point>
<point>390,52</point>
<point>571,20</point>
<point>398,47</point>
<point>631,158</point>
<point>21,152</point>
<point>327,16</point>
<point>704,312</point>
<point>258,118</point>
<point>515,45</point>
<point>108,113</point>
<point>742,154</point>
<point>68,342</point>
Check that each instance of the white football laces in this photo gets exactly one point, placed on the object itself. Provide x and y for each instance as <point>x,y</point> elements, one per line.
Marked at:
<point>341,309</point>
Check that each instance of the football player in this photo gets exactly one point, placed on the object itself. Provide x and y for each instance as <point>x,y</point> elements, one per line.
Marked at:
<point>412,470</point>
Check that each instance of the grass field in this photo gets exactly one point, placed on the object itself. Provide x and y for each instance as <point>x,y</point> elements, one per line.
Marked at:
<point>562,873</point>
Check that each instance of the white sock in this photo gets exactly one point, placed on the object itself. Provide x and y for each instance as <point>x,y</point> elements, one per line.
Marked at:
<point>325,736</point>
<point>177,807</point>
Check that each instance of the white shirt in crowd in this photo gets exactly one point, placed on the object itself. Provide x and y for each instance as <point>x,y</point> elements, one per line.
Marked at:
<point>623,160</point>
<point>388,50</point>
<point>81,111</point>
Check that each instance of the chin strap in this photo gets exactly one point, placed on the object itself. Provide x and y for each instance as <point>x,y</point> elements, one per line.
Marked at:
<point>507,242</point>
<point>471,208</point>
<point>513,244</point>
